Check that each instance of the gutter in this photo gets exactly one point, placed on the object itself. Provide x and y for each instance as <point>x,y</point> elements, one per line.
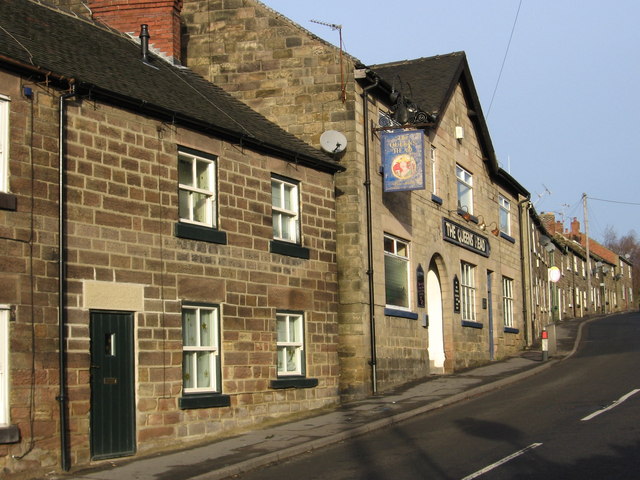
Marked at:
<point>62,280</point>
<point>285,153</point>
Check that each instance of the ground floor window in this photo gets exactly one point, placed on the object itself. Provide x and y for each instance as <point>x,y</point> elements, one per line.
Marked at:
<point>507,301</point>
<point>290,343</point>
<point>4,365</point>
<point>200,348</point>
<point>468,292</point>
<point>396,272</point>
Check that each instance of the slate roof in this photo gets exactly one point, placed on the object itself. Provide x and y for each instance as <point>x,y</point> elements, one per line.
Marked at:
<point>430,83</point>
<point>40,38</point>
<point>430,79</point>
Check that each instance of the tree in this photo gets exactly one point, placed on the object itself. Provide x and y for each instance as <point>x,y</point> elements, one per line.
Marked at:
<point>627,246</point>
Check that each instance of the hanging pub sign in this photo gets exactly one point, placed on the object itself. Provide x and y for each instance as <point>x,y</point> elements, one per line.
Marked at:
<point>420,286</point>
<point>465,238</point>
<point>403,160</point>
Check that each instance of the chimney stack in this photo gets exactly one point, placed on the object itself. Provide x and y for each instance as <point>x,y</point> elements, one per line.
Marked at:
<point>575,226</point>
<point>161,16</point>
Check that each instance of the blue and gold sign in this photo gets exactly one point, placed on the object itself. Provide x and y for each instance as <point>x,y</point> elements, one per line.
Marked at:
<point>403,160</point>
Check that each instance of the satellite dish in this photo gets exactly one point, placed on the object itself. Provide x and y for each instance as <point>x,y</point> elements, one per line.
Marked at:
<point>333,141</point>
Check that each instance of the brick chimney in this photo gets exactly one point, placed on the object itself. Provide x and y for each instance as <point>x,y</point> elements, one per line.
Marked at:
<point>162,16</point>
<point>575,226</point>
<point>548,222</point>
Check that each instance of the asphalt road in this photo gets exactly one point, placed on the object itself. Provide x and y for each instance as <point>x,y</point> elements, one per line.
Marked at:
<point>577,420</point>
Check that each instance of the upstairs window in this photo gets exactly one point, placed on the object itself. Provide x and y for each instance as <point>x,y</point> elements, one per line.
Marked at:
<point>396,272</point>
<point>285,210</point>
<point>465,190</point>
<point>197,188</point>
<point>434,183</point>
<point>290,343</point>
<point>505,215</point>
<point>4,143</point>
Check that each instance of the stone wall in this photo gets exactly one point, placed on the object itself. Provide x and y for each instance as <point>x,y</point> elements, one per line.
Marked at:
<point>28,271</point>
<point>122,254</point>
<point>306,86</point>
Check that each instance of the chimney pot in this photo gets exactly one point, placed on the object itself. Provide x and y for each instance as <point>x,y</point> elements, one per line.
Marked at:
<point>144,41</point>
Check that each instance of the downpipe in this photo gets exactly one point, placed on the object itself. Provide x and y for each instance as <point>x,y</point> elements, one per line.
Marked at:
<point>62,279</point>
<point>367,186</point>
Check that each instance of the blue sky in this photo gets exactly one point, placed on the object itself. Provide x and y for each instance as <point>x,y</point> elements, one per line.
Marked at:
<point>566,105</point>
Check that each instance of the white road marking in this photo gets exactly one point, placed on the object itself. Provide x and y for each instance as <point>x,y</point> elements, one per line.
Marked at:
<point>614,404</point>
<point>500,462</point>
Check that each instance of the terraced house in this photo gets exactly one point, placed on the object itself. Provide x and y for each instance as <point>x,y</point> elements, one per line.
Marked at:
<point>211,218</point>
<point>168,255</point>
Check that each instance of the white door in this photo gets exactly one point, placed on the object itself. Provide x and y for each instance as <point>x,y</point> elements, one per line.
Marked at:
<point>434,310</point>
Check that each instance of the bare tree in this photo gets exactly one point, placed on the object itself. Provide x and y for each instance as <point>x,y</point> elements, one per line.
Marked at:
<point>627,246</point>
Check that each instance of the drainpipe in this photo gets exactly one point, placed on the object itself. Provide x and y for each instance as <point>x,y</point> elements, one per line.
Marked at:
<point>367,186</point>
<point>62,277</point>
<point>527,274</point>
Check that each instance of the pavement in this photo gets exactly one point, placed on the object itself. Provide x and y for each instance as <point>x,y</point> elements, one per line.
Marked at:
<point>254,449</point>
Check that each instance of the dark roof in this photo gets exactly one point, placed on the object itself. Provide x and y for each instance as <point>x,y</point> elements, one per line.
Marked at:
<point>108,65</point>
<point>430,83</point>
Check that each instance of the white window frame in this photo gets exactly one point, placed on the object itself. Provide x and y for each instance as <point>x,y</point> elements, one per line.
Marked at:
<point>464,189</point>
<point>285,215</point>
<point>4,365</point>
<point>505,215</point>
<point>197,187</point>
<point>468,291</point>
<point>396,253</point>
<point>4,143</point>
<point>290,344</point>
<point>194,351</point>
<point>507,301</point>
<point>434,177</point>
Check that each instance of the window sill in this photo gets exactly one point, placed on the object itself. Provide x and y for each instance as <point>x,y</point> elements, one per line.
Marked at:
<point>508,238</point>
<point>393,312</point>
<point>9,434</point>
<point>204,400</point>
<point>511,330</point>
<point>8,201</point>
<point>469,323</point>
<point>294,382</point>
<point>289,249</point>
<point>198,232</point>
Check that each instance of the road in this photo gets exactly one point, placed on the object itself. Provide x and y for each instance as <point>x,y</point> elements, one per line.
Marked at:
<point>577,420</point>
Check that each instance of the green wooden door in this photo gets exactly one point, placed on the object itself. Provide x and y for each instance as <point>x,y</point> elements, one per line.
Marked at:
<point>112,392</point>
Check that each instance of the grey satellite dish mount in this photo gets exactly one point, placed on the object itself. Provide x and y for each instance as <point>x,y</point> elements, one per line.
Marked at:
<point>333,142</point>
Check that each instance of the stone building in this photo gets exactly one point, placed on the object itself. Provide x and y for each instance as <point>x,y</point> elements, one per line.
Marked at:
<point>457,278</point>
<point>168,255</point>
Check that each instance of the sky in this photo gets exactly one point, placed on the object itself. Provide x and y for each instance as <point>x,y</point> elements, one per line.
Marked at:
<point>558,81</point>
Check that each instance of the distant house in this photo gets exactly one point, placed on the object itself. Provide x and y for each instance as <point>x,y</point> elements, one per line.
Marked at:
<point>168,255</point>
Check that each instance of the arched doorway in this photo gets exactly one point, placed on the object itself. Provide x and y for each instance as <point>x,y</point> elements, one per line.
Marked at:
<point>434,310</point>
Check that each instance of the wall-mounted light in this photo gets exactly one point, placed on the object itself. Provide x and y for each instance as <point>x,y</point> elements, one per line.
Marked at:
<point>481,224</point>
<point>463,211</point>
<point>496,230</point>
<point>459,132</point>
